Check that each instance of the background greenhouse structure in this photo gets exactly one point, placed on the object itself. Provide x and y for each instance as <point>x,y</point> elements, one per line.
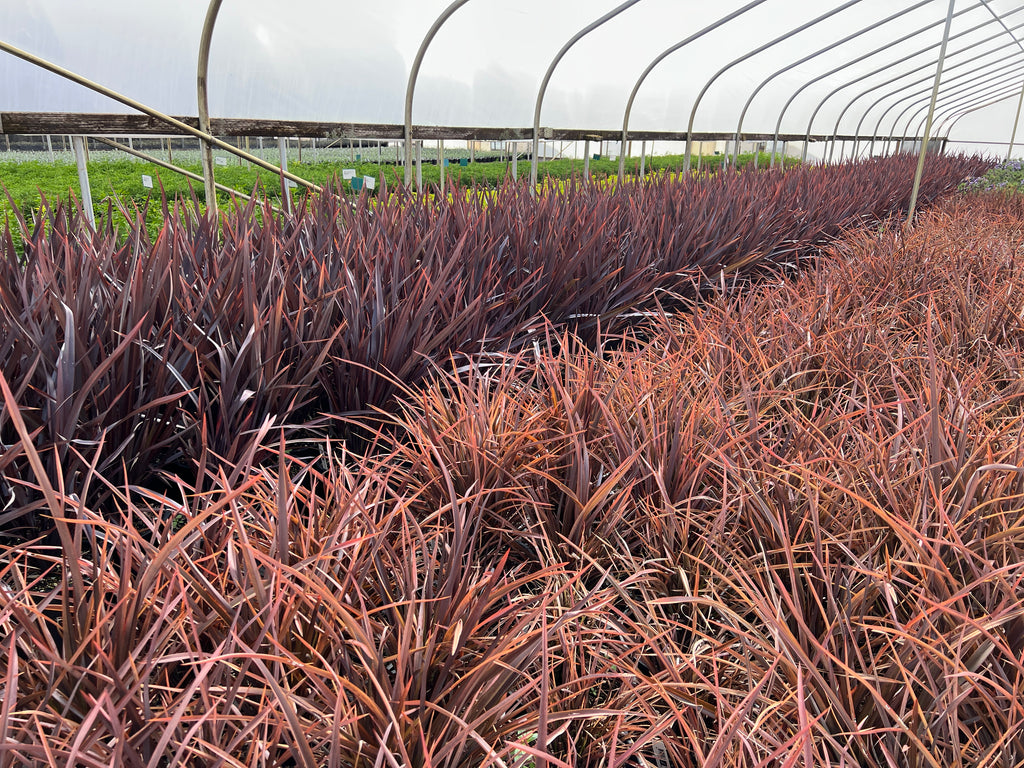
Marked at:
<point>822,82</point>
<point>531,384</point>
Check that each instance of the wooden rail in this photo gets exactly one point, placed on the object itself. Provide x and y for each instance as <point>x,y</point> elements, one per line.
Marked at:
<point>84,124</point>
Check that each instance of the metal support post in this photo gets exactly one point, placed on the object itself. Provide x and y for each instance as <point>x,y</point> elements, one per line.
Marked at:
<point>931,115</point>
<point>83,178</point>
<point>586,160</point>
<point>1016,122</point>
<point>419,165</point>
<point>410,88</point>
<point>206,149</point>
<point>440,161</point>
<point>282,149</point>
<point>551,68</point>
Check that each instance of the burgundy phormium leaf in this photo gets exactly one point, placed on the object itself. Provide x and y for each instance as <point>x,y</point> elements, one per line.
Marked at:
<point>782,527</point>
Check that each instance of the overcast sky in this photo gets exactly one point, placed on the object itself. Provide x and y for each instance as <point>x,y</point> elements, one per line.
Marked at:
<point>348,60</point>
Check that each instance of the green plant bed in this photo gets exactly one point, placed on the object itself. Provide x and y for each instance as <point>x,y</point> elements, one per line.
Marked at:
<point>120,181</point>
<point>1008,176</point>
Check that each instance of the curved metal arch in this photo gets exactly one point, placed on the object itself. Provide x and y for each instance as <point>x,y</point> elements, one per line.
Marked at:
<point>999,100</point>
<point>863,57</point>
<point>661,57</point>
<point>1002,23</point>
<point>547,77</point>
<point>751,54</point>
<point>1020,103</point>
<point>908,73</point>
<point>880,70</point>
<point>204,105</point>
<point>919,81</point>
<point>908,107</point>
<point>976,97</point>
<point>805,59</point>
<point>890,94</point>
<point>975,87</point>
<point>982,71</point>
<point>1016,122</point>
<point>959,102</point>
<point>957,99</point>
<point>970,106</point>
<point>968,92</point>
<point>410,87</point>
<point>996,18</point>
<point>915,94</point>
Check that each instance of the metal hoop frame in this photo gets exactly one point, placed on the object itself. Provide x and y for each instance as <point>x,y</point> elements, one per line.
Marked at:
<point>942,99</point>
<point>751,54</point>
<point>805,59</point>
<point>922,80</point>
<point>551,68</point>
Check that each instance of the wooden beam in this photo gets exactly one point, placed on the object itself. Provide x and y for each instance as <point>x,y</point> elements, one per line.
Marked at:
<point>82,124</point>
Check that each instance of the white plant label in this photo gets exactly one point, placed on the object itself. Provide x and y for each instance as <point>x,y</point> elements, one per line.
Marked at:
<point>660,754</point>
<point>147,181</point>
<point>369,182</point>
<point>348,173</point>
<point>220,161</point>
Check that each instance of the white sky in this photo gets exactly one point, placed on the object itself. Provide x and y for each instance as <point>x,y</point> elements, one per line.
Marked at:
<point>348,60</point>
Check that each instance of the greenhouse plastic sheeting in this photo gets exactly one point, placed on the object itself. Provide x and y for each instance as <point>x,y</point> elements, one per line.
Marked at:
<point>343,60</point>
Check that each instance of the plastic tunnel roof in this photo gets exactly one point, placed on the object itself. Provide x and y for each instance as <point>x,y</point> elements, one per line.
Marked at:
<point>348,60</point>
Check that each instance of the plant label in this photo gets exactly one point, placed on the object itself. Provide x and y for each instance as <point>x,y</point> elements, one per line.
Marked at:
<point>369,182</point>
<point>147,181</point>
<point>348,173</point>
<point>660,754</point>
<point>220,161</point>
<point>290,183</point>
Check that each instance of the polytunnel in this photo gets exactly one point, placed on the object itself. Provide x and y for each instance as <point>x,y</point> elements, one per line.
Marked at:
<point>530,384</point>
